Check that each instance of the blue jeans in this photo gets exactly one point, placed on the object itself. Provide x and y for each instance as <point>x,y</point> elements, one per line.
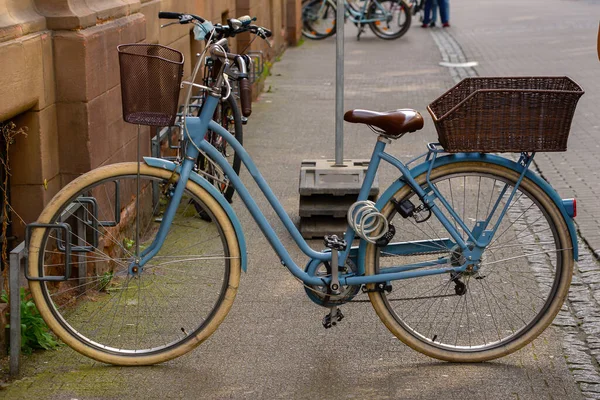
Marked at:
<point>444,6</point>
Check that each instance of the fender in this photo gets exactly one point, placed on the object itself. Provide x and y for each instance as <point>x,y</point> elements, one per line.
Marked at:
<point>170,166</point>
<point>482,157</point>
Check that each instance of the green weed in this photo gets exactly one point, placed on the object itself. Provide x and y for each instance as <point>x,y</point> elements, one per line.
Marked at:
<point>34,331</point>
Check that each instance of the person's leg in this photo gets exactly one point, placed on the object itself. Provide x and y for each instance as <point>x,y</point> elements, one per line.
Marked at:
<point>444,6</point>
<point>434,12</point>
<point>427,13</point>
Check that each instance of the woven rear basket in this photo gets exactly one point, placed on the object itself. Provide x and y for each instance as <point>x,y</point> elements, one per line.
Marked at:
<point>150,81</point>
<point>493,115</point>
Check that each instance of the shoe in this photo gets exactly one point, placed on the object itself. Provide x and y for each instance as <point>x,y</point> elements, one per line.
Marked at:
<point>432,25</point>
<point>425,26</point>
<point>446,25</point>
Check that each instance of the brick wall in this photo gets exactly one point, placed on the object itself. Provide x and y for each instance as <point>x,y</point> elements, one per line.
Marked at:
<point>59,76</point>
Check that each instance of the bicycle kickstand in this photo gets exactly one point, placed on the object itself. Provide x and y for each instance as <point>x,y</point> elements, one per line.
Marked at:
<point>361,30</point>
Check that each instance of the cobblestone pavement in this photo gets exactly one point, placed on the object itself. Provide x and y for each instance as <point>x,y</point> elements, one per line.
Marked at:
<point>536,40</point>
<point>272,344</point>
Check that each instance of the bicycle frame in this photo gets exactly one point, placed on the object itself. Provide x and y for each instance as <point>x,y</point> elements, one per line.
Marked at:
<point>480,236</point>
<point>356,16</point>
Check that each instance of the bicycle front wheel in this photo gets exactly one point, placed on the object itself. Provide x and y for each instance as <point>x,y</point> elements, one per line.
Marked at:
<point>318,19</point>
<point>393,18</point>
<point>111,312</point>
<point>524,273</point>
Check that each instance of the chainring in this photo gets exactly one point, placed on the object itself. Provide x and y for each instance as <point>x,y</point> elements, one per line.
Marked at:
<point>319,295</point>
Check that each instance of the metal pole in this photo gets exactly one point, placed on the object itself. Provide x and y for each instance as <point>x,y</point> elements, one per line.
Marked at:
<point>339,85</point>
<point>15,307</point>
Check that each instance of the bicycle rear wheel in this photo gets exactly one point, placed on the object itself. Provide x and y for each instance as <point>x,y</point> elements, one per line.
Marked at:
<point>523,280</point>
<point>318,19</point>
<point>105,309</point>
<point>393,18</point>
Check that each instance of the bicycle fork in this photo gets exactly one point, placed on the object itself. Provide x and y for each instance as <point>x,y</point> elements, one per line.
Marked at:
<point>174,190</point>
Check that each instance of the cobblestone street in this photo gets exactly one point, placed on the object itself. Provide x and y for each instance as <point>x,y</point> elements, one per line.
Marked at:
<point>272,344</point>
<point>549,44</point>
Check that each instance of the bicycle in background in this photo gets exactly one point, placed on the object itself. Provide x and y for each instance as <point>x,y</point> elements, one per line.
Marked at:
<point>388,19</point>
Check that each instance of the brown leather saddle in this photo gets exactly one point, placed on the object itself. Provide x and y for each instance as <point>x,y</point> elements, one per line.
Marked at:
<point>392,124</point>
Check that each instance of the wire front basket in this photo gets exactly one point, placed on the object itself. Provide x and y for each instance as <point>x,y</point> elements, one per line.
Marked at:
<point>490,114</point>
<point>150,82</point>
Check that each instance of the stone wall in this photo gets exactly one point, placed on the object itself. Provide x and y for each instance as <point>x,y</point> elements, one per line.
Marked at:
<point>59,76</point>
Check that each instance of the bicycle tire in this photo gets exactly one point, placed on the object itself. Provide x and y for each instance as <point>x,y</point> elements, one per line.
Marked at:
<point>110,314</point>
<point>233,125</point>
<point>532,298</point>
<point>310,21</point>
<point>400,13</point>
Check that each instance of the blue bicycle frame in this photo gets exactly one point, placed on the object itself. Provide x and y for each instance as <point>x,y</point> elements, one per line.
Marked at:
<point>359,16</point>
<point>480,236</point>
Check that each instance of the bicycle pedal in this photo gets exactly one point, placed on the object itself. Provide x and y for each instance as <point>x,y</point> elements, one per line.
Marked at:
<point>332,318</point>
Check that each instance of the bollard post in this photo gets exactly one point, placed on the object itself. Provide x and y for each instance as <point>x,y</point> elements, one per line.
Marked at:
<point>339,85</point>
<point>16,256</point>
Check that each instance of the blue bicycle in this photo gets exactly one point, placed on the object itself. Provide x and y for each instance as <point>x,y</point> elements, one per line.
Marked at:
<point>388,19</point>
<point>466,257</point>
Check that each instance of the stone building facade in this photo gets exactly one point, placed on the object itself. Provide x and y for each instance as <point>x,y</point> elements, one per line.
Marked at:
<point>59,77</point>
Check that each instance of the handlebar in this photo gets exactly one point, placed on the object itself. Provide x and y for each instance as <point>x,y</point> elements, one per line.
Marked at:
<point>182,17</point>
<point>244,84</point>
<point>233,27</point>
<point>217,48</point>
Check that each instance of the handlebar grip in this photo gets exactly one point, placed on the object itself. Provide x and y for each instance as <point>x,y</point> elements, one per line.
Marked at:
<point>245,20</point>
<point>168,15</point>
<point>246,97</point>
<point>268,33</point>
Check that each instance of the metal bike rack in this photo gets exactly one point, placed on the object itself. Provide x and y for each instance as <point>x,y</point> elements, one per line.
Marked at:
<point>17,256</point>
<point>329,187</point>
<point>18,271</point>
<point>258,64</point>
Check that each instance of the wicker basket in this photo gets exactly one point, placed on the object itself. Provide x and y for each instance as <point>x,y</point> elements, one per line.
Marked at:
<point>492,115</point>
<point>150,82</point>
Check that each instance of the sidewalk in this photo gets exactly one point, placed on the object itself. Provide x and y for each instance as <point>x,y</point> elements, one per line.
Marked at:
<point>272,344</point>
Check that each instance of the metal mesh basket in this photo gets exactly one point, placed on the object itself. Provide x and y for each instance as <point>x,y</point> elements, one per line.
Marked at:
<point>150,81</point>
<point>492,115</point>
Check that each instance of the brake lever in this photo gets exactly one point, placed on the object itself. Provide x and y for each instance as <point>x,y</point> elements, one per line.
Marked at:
<point>261,33</point>
<point>169,24</point>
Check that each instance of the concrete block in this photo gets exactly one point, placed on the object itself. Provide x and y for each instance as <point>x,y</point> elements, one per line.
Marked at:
<point>322,177</point>
<point>325,205</point>
<point>317,227</point>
